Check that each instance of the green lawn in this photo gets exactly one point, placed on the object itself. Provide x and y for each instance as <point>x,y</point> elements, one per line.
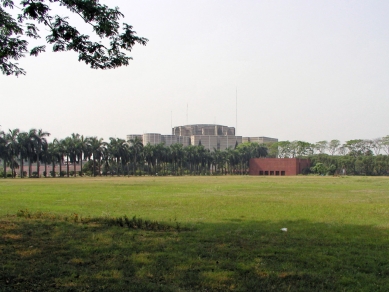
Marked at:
<point>230,240</point>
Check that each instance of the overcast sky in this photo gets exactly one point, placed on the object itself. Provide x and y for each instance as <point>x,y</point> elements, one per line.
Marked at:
<point>302,70</point>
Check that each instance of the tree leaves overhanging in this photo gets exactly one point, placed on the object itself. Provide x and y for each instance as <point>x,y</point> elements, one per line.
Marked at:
<point>63,36</point>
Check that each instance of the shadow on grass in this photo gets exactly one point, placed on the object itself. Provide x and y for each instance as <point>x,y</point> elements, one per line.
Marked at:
<point>55,255</point>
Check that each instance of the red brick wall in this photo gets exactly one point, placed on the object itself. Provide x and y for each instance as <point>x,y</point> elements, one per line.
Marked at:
<point>277,166</point>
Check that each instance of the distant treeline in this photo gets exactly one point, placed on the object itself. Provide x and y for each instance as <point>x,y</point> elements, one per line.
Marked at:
<point>20,150</point>
<point>354,157</point>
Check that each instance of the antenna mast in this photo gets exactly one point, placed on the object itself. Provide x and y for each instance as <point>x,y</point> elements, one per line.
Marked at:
<point>236,108</point>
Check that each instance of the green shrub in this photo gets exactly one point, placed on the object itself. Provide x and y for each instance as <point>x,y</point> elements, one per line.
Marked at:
<point>319,168</point>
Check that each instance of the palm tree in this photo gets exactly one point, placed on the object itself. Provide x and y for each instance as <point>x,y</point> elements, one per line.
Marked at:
<point>165,158</point>
<point>149,156</point>
<point>118,149</point>
<point>137,147</point>
<point>82,149</point>
<point>39,137</point>
<point>74,150</point>
<point>60,152</point>
<point>159,154</point>
<point>178,157</point>
<point>66,146</point>
<point>31,150</point>
<point>218,160</point>
<point>53,155</point>
<point>122,152</point>
<point>23,141</point>
<point>107,160</point>
<point>45,155</point>
<point>13,148</point>
<point>3,152</point>
<point>190,152</point>
<point>96,147</point>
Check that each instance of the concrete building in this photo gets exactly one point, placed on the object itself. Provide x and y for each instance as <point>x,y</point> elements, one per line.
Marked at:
<point>152,138</point>
<point>211,136</point>
<point>203,129</point>
<point>259,140</point>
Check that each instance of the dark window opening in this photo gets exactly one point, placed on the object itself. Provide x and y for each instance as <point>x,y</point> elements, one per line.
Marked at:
<point>266,172</point>
<point>282,172</point>
<point>272,172</point>
<point>261,172</point>
<point>277,172</point>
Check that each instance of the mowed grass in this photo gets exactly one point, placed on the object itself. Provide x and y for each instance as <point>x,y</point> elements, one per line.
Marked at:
<point>229,240</point>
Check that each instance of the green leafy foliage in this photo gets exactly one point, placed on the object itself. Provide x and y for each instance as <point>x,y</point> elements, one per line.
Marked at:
<point>63,36</point>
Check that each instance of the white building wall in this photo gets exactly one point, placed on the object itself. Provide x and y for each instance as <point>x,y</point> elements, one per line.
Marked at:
<point>169,139</point>
<point>152,138</point>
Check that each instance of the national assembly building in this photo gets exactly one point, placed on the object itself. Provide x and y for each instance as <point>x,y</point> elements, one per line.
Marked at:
<point>211,136</point>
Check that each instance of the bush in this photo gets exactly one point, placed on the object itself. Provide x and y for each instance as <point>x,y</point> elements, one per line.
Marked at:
<point>332,169</point>
<point>88,173</point>
<point>319,168</point>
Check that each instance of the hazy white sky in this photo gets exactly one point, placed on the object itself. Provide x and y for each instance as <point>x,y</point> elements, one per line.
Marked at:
<point>303,70</point>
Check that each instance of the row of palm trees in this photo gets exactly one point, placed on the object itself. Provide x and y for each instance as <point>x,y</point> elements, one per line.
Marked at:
<point>17,147</point>
<point>118,157</point>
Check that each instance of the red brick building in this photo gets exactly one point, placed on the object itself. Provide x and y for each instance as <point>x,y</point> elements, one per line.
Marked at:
<point>277,166</point>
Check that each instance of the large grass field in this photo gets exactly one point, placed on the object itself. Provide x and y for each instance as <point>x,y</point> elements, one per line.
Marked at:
<point>229,236</point>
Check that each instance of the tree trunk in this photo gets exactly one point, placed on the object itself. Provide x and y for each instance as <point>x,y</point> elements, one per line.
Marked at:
<point>60,168</point>
<point>29,167</point>
<point>12,168</point>
<point>21,168</point>
<point>67,166</point>
<point>81,166</point>
<point>37,162</point>
<point>134,165</point>
<point>53,168</point>
<point>94,165</point>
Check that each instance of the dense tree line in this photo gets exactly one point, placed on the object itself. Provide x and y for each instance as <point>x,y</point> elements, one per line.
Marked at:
<point>20,150</point>
<point>354,157</point>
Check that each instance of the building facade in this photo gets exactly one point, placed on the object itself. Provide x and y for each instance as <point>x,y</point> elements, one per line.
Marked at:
<point>277,166</point>
<point>211,136</point>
